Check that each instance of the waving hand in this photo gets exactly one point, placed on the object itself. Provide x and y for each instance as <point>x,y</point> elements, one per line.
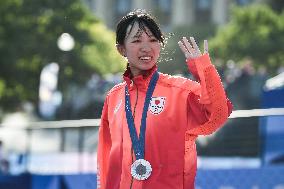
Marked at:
<point>190,48</point>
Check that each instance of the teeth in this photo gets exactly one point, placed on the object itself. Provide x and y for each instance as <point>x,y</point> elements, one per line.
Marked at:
<point>145,58</point>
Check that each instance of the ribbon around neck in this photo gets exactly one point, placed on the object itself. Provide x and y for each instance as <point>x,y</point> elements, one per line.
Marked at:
<point>138,144</point>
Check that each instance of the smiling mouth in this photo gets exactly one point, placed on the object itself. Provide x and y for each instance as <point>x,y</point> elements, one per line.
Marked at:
<point>145,58</point>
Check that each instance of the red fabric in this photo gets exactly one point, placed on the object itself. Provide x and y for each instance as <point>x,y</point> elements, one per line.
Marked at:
<point>189,109</point>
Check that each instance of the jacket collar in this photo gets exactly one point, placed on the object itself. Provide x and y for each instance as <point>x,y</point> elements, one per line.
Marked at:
<point>140,81</point>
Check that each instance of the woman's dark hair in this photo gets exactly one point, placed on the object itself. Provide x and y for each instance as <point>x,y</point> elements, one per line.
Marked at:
<point>144,19</point>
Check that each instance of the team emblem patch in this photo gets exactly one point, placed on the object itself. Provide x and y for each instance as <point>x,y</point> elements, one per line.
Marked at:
<point>157,105</point>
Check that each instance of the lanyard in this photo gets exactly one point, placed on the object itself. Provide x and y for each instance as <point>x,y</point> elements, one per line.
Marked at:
<point>138,144</point>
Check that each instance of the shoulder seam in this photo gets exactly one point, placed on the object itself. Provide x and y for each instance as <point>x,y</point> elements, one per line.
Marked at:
<point>176,86</point>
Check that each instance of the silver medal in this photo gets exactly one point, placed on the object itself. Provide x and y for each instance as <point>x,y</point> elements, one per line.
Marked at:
<point>141,169</point>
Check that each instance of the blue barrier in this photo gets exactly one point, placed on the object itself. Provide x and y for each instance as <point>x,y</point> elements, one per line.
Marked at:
<point>272,128</point>
<point>45,182</point>
<point>273,98</point>
<point>15,182</point>
<point>258,178</point>
<point>272,131</point>
<point>81,182</point>
<point>28,181</point>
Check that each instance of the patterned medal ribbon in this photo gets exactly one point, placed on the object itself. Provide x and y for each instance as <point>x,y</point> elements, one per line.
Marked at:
<point>138,144</point>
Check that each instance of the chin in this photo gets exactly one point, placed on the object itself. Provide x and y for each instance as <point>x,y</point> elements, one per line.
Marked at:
<point>148,67</point>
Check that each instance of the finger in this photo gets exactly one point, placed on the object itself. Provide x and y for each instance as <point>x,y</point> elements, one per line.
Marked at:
<point>195,46</point>
<point>184,50</point>
<point>205,47</point>
<point>182,47</point>
<point>187,45</point>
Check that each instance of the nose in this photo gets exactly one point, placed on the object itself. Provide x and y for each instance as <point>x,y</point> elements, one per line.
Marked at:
<point>145,47</point>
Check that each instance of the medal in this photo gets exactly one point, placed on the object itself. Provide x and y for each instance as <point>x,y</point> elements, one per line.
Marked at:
<point>140,169</point>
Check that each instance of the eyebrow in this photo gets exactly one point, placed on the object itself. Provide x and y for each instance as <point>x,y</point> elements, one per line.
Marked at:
<point>139,33</point>
<point>136,36</point>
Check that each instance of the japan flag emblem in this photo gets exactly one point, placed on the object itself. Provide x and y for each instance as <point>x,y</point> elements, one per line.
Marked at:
<point>157,105</point>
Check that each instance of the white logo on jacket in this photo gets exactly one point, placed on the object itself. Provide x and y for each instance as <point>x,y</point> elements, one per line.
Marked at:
<point>157,105</point>
<point>117,107</point>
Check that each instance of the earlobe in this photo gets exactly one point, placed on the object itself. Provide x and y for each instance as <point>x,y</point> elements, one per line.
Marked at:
<point>121,50</point>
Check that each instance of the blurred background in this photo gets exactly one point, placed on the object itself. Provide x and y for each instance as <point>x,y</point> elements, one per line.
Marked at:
<point>58,59</point>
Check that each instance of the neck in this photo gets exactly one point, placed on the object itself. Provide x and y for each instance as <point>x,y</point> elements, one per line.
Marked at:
<point>144,73</point>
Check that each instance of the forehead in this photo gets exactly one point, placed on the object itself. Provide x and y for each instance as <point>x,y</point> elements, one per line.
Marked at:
<point>137,30</point>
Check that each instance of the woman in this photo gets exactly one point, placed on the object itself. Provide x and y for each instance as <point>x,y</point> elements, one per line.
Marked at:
<point>150,122</point>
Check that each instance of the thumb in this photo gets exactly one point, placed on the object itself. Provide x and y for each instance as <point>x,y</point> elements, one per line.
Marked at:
<point>205,47</point>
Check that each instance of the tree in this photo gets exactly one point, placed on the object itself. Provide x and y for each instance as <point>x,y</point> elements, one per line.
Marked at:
<point>255,33</point>
<point>29,30</point>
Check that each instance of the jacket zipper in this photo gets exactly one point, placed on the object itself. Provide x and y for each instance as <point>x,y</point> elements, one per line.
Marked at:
<point>132,158</point>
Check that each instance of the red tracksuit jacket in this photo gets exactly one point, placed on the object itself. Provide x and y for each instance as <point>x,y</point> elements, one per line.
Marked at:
<point>180,110</point>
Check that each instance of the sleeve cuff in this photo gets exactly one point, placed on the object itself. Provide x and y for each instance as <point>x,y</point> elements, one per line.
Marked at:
<point>199,64</point>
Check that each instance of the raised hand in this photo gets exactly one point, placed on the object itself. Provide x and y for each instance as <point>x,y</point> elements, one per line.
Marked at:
<point>190,48</point>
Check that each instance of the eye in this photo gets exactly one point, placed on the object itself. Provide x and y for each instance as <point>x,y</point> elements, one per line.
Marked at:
<point>136,41</point>
<point>154,40</point>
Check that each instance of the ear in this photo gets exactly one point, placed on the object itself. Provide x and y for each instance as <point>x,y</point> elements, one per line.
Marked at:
<point>121,50</point>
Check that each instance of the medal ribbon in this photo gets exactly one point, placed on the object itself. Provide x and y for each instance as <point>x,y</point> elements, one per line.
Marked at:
<point>138,144</point>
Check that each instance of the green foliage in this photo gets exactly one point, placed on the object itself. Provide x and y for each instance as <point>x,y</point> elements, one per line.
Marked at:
<point>109,60</point>
<point>254,32</point>
<point>29,30</point>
